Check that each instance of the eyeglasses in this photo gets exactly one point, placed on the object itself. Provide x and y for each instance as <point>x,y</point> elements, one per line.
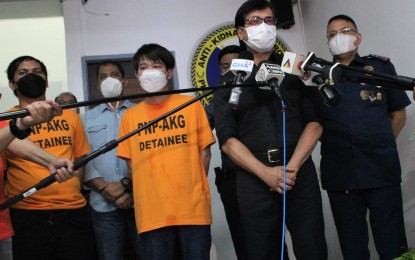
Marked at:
<point>345,31</point>
<point>270,20</point>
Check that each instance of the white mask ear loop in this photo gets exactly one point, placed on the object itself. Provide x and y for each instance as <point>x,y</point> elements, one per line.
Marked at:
<point>331,70</point>
<point>115,109</point>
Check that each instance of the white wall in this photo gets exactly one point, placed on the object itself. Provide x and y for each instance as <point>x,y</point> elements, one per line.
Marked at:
<point>33,28</point>
<point>388,29</point>
<point>178,25</point>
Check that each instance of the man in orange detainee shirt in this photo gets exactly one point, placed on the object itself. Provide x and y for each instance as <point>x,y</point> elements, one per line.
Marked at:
<point>38,112</point>
<point>53,223</point>
<point>168,163</point>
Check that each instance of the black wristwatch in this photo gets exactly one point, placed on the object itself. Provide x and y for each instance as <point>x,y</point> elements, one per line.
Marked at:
<point>127,184</point>
<point>19,134</point>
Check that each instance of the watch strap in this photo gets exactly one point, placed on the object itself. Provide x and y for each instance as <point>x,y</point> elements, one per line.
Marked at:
<point>127,184</point>
<point>19,134</point>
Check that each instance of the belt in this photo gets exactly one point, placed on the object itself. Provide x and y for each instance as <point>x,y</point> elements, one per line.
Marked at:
<point>270,156</point>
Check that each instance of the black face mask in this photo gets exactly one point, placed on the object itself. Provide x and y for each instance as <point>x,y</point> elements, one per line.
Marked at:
<point>31,85</point>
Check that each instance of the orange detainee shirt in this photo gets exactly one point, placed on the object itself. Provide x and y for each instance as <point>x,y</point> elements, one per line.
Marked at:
<point>169,181</point>
<point>64,137</point>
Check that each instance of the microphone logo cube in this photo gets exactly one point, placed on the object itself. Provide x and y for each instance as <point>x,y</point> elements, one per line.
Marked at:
<point>274,69</point>
<point>241,65</point>
<point>260,76</point>
<point>291,63</point>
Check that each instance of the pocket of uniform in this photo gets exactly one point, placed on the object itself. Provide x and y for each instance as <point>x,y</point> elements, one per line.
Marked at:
<point>97,135</point>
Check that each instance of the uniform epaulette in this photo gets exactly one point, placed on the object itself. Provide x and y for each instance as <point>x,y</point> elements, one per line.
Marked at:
<point>377,57</point>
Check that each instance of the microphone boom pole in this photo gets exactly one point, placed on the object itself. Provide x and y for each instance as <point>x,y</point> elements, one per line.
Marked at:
<point>375,78</point>
<point>92,155</point>
<point>24,112</point>
<point>114,143</point>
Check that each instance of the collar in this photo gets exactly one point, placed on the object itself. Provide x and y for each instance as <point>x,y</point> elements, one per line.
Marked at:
<point>104,106</point>
<point>358,60</point>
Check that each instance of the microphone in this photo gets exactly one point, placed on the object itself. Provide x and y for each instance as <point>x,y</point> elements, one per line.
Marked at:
<point>271,74</point>
<point>373,78</point>
<point>314,75</point>
<point>302,66</point>
<point>242,68</point>
<point>291,63</point>
<point>330,95</point>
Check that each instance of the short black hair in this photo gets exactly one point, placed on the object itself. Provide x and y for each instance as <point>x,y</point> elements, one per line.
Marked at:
<point>229,49</point>
<point>342,17</point>
<point>65,93</point>
<point>156,53</point>
<point>11,69</point>
<point>107,62</point>
<point>246,8</point>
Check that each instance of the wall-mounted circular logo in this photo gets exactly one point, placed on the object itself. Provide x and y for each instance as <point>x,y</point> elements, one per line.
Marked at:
<point>205,71</point>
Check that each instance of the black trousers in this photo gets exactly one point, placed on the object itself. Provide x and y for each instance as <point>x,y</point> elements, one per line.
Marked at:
<point>386,220</point>
<point>226,184</point>
<point>53,234</point>
<point>261,216</point>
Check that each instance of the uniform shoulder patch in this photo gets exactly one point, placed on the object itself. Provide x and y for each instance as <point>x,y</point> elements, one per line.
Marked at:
<point>377,57</point>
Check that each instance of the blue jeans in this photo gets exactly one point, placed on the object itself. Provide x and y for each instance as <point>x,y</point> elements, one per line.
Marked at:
<point>194,242</point>
<point>114,231</point>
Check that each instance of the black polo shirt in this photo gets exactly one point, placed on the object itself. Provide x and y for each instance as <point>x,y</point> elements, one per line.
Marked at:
<point>257,121</point>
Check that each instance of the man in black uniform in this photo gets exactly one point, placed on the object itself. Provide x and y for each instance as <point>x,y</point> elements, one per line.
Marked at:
<point>225,177</point>
<point>360,166</point>
<point>251,135</point>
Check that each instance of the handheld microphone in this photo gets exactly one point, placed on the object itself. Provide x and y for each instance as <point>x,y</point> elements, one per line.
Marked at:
<point>301,66</point>
<point>291,63</point>
<point>313,75</point>
<point>242,68</point>
<point>270,73</point>
<point>312,78</point>
<point>330,95</point>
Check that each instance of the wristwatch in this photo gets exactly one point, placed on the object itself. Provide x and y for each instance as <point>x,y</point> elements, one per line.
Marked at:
<point>127,184</point>
<point>19,134</point>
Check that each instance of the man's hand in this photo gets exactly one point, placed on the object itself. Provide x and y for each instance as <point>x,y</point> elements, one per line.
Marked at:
<point>274,178</point>
<point>113,190</point>
<point>125,201</point>
<point>97,184</point>
<point>40,111</point>
<point>63,169</point>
